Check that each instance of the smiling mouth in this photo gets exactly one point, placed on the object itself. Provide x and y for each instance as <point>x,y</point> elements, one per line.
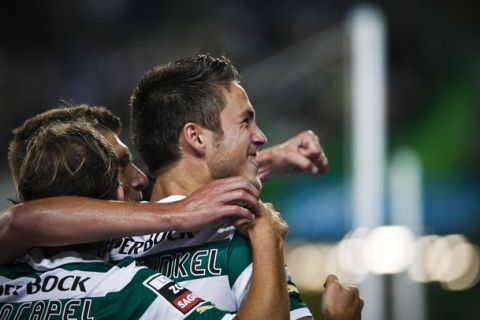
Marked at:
<point>253,159</point>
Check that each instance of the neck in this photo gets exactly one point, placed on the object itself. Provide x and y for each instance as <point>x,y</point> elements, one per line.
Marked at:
<point>183,178</point>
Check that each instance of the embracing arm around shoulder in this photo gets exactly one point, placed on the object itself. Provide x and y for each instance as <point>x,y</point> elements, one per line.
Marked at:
<point>67,220</point>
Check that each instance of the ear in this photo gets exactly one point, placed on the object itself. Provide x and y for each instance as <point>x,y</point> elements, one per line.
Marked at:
<point>195,137</point>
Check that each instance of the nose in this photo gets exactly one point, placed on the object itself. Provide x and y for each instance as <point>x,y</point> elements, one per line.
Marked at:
<point>259,138</point>
<point>139,179</point>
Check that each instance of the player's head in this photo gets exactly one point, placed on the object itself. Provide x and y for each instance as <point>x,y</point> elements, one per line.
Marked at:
<point>67,158</point>
<point>190,101</point>
<point>133,179</point>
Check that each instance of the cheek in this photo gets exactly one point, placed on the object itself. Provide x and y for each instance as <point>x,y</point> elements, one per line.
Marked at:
<point>122,177</point>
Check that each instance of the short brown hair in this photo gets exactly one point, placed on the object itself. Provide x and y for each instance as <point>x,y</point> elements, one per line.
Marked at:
<point>170,95</point>
<point>100,117</point>
<point>68,158</point>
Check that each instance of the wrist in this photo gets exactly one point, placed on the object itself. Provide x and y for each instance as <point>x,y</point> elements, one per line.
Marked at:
<point>266,163</point>
<point>266,238</point>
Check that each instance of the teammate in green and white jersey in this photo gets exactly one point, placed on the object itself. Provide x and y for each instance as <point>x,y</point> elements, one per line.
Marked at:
<point>215,263</point>
<point>71,282</point>
<point>192,123</point>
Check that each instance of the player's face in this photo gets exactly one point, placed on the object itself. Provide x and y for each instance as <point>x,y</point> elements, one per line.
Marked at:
<point>132,178</point>
<point>235,153</point>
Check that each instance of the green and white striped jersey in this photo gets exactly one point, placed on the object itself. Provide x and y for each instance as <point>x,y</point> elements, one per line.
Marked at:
<point>69,285</point>
<point>215,263</point>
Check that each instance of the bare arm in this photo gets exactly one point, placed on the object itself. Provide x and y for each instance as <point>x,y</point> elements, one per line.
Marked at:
<point>70,220</point>
<point>302,153</point>
<point>267,297</point>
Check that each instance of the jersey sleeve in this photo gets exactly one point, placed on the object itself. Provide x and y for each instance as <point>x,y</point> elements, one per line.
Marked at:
<point>298,308</point>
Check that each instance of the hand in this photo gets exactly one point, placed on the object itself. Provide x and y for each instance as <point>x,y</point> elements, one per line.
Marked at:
<point>268,221</point>
<point>340,302</point>
<point>217,200</point>
<point>302,153</point>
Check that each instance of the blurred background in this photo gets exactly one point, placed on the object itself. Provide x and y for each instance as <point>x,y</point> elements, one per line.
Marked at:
<point>391,87</point>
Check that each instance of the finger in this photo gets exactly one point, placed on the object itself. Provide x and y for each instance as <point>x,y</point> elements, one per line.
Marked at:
<point>352,289</point>
<point>302,162</point>
<point>241,183</point>
<point>310,147</point>
<point>321,162</point>
<point>241,221</point>
<point>269,205</point>
<point>243,225</point>
<point>331,278</point>
<point>310,136</point>
<point>234,211</point>
<point>240,198</point>
<point>280,217</point>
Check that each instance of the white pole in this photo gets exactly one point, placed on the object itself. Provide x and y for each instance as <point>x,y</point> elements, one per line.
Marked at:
<point>406,209</point>
<point>366,29</point>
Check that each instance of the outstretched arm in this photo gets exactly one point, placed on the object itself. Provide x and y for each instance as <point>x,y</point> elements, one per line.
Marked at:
<point>302,153</point>
<point>70,220</point>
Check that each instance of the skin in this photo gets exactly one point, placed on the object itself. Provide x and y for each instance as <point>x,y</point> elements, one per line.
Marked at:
<point>87,223</point>
<point>340,302</point>
<point>301,153</point>
<point>267,234</point>
<point>236,151</point>
<point>207,156</point>
<point>132,178</point>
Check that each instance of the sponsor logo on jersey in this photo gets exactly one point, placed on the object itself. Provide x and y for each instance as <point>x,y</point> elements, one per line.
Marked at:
<point>204,308</point>
<point>181,298</point>
<point>47,284</point>
<point>133,246</point>
<point>183,264</point>
<point>46,309</point>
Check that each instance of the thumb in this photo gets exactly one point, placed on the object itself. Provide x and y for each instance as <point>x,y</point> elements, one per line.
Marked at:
<point>331,278</point>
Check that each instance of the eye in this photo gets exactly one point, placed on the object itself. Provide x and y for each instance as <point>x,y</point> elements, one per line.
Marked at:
<point>124,162</point>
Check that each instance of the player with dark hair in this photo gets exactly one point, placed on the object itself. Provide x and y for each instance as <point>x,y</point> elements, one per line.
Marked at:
<point>192,123</point>
<point>73,282</point>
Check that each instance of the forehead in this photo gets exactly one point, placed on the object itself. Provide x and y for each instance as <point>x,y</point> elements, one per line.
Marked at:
<point>236,101</point>
<point>119,148</point>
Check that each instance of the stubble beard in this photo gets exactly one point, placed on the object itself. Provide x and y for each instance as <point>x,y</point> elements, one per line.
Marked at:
<point>226,167</point>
